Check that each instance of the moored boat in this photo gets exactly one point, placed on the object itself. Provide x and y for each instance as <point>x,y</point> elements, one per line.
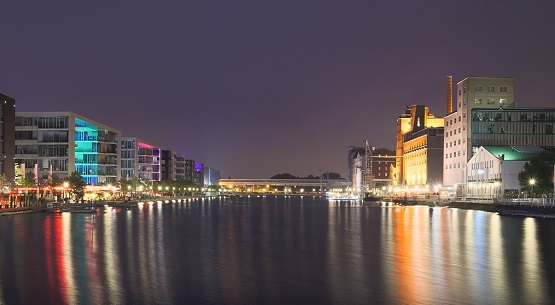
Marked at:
<point>82,208</point>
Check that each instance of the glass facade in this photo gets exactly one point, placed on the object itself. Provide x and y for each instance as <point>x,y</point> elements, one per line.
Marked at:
<point>61,142</point>
<point>513,127</point>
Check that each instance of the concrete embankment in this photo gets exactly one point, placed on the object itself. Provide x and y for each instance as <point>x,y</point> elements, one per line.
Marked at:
<point>511,209</point>
<point>481,206</point>
<point>13,211</point>
<point>541,211</point>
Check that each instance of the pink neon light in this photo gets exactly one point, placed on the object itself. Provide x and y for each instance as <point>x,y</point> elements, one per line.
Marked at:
<point>144,145</point>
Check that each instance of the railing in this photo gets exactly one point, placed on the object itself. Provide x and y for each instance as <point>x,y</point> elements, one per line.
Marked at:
<point>530,202</point>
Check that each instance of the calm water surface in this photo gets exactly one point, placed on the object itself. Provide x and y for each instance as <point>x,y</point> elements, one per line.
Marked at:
<point>276,250</point>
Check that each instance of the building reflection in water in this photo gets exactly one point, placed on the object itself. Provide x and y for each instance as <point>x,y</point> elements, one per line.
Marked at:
<point>270,249</point>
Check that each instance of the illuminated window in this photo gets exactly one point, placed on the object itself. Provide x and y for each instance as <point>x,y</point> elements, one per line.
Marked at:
<point>477,101</point>
<point>503,101</point>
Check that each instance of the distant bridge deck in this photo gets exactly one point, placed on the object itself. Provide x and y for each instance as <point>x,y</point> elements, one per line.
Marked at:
<point>230,183</point>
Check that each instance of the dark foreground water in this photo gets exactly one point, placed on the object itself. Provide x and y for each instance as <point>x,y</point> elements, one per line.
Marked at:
<point>276,250</point>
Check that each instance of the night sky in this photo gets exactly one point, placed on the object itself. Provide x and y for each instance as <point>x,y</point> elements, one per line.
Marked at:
<point>257,88</point>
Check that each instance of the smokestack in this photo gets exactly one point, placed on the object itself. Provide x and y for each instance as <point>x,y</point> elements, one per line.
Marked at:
<point>449,94</point>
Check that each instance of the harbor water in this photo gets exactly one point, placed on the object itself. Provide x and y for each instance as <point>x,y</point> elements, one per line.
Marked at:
<point>276,250</point>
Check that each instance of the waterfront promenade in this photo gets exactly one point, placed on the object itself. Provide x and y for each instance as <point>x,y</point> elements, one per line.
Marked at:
<point>532,207</point>
<point>59,206</point>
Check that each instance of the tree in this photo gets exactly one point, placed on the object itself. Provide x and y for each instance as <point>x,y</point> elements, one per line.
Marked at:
<point>52,182</point>
<point>77,185</point>
<point>29,180</point>
<point>284,176</point>
<point>19,175</point>
<point>331,176</point>
<point>537,176</point>
<point>5,184</point>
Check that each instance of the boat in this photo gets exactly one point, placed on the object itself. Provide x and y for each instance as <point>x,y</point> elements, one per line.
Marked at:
<point>82,208</point>
<point>125,204</point>
<point>53,207</point>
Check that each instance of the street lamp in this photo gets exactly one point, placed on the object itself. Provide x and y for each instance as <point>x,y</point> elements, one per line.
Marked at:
<point>66,186</point>
<point>532,182</point>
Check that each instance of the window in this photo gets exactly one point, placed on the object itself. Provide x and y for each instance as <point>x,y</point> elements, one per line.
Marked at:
<point>502,89</point>
<point>464,89</point>
<point>459,91</point>
<point>549,129</point>
<point>478,89</point>
<point>491,89</point>
<point>503,101</point>
<point>460,118</point>
<point>477,101</point>
<point>491,101</point>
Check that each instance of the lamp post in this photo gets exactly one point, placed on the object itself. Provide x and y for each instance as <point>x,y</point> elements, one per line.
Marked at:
<point>532,183</point>
<point>66,186</point>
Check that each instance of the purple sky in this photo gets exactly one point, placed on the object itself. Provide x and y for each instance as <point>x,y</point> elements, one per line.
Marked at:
<point>257,88</point>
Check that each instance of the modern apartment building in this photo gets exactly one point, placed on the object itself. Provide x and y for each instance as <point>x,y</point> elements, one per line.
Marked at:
<point>419,147</point>
<point>168,165</point>
<point>140,159</point>
<point>198,174</point>
<point>472,93</point>
<point>58,143</point>
<point>7,137</point>
<point>180,168</point>
<point>190,170</point>
<point>173,166</point>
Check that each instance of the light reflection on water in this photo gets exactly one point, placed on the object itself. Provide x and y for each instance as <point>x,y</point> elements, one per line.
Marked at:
<point>276,250</point>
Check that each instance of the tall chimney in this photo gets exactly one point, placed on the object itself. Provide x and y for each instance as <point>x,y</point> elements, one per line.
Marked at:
<point>449,94</point>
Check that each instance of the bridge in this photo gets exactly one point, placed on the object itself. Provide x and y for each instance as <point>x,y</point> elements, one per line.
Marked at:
<point>295,186</point>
